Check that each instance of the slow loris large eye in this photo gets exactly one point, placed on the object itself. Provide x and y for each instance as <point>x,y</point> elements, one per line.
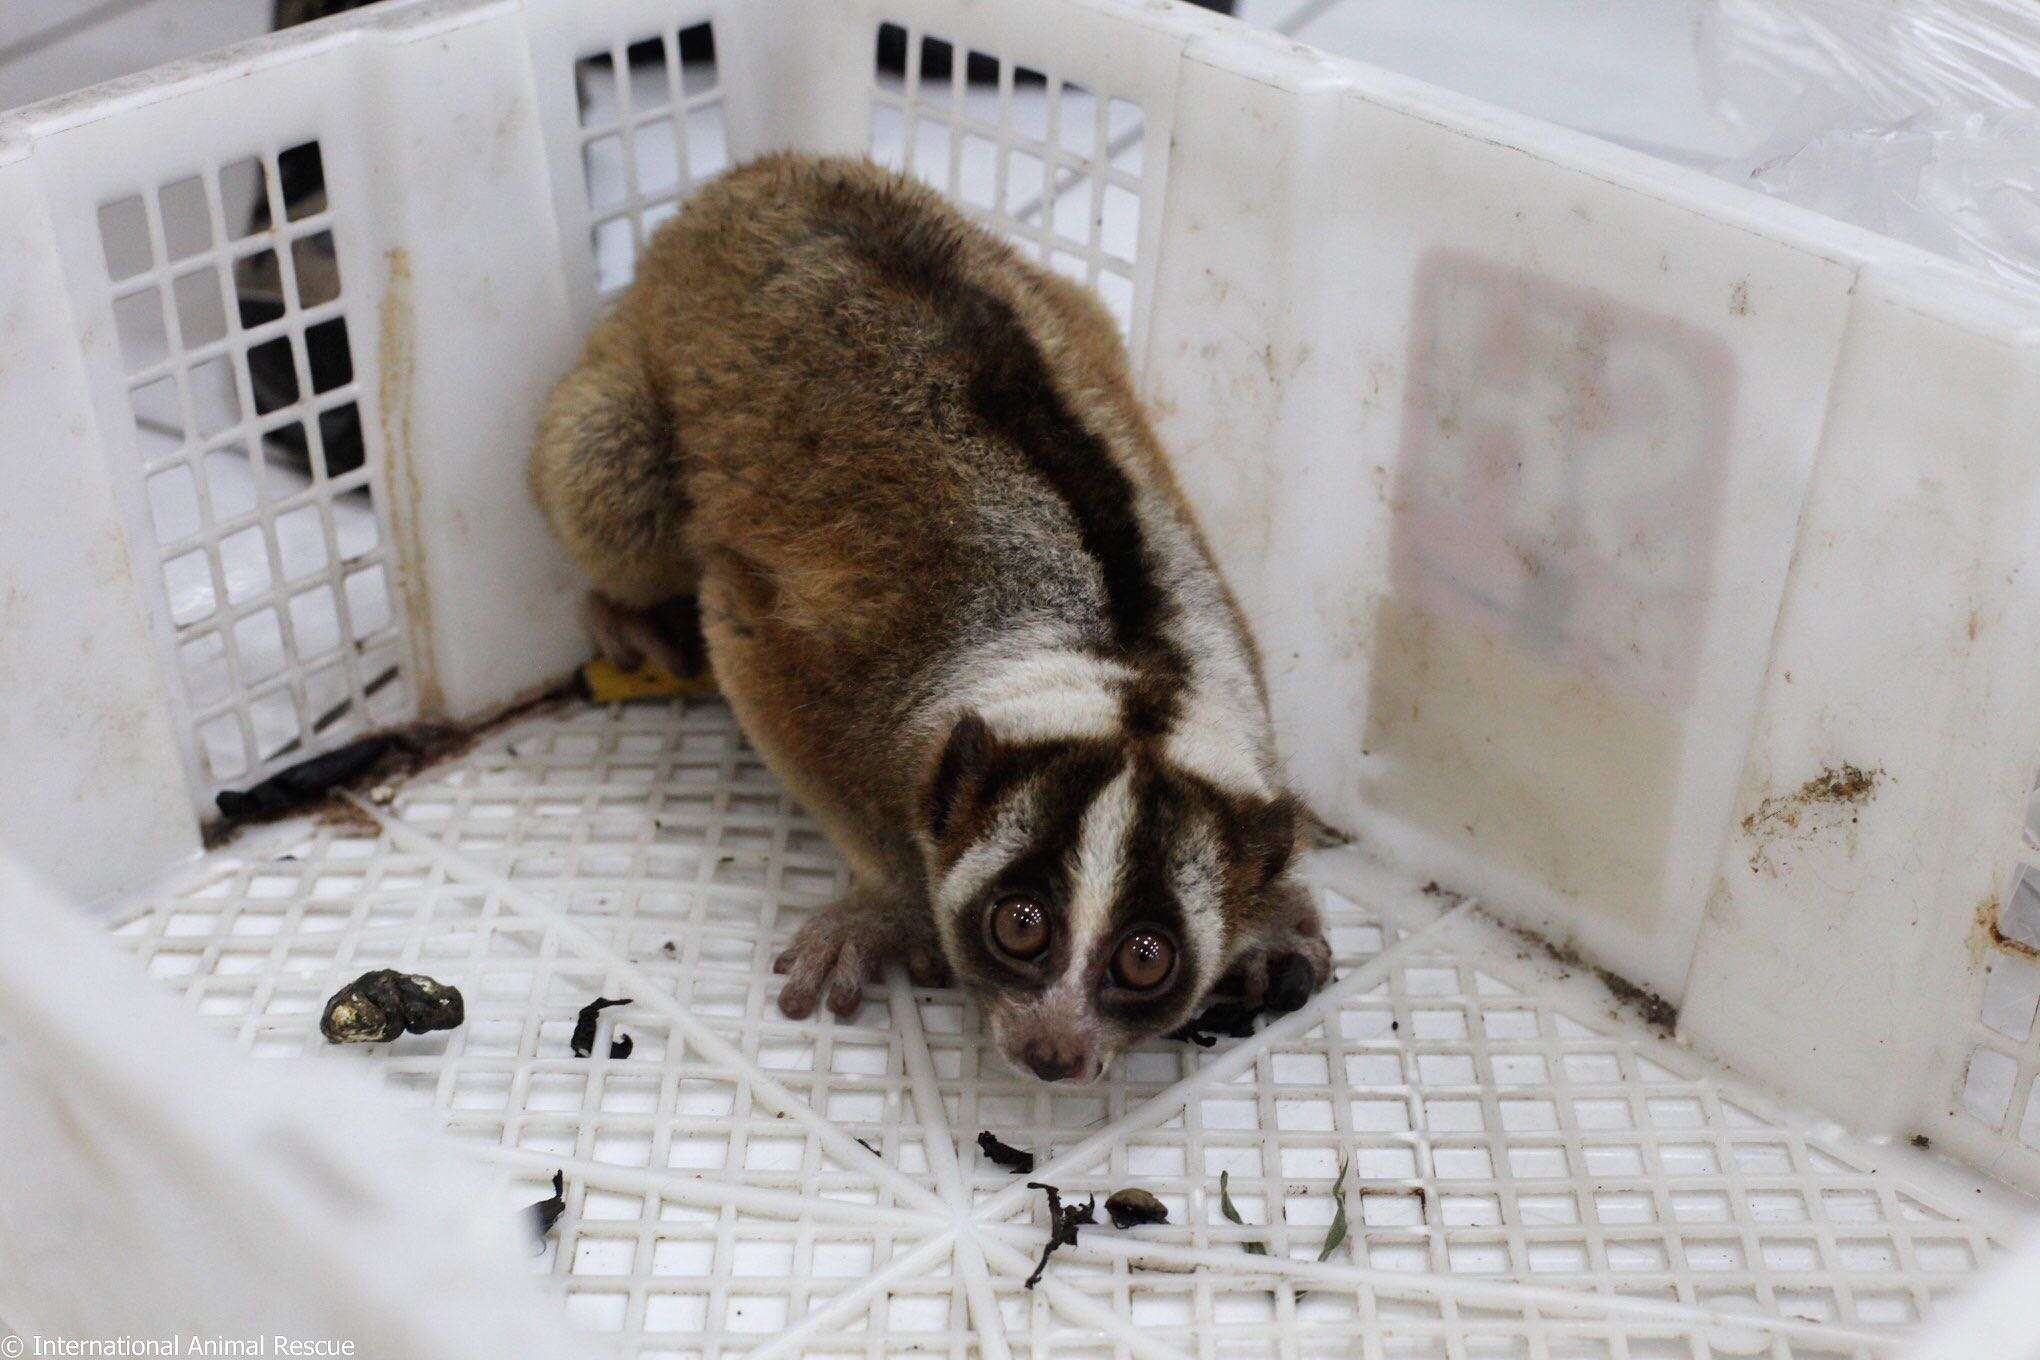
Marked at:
<point>1020,927</point>
<point>1144,961</point>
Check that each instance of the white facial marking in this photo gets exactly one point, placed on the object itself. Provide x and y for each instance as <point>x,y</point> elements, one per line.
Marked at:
<point>975,868</point>
<point>1099,869</point>
<point>1196,875</point>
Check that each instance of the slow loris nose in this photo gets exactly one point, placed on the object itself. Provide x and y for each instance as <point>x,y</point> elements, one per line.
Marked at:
<point>1053,1059</point>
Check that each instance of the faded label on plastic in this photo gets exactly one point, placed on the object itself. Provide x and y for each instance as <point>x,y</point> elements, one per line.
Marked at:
<point>1556,506</point>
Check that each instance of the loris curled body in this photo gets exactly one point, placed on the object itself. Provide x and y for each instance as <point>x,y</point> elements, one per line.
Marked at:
<point>947,581</point>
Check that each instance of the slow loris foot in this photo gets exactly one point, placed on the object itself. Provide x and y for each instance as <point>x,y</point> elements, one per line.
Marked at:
<point>848,945</point>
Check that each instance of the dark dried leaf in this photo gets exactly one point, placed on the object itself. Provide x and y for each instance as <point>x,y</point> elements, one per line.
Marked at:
<point>1133,1207</point>
<point>305,782</point>
<point>621,1045</point>
<point>1063,1222</point>
<point>546,1212</point>
<point>1004,1154</point>
<point>584,1024</point>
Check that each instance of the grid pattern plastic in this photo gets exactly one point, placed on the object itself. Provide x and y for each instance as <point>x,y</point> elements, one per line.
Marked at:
<point>1052,166</point>
<point>1997,1091</point>
<point>272,572</point>
<point>1531,1172</point>
<point>1993,1103</point>
<point>651,129</point>
<point>1490,1133</point>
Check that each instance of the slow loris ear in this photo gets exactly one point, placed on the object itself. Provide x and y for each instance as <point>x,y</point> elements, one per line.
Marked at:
<point>955,778</point>
<point>1272,840</point>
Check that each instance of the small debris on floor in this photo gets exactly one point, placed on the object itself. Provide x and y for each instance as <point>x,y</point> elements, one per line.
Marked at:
<point>584,1024</point>
<point>1004,1154</point>
<point>1232,1215</point>
<point>1063,1222</point>
<point>606,684</point>
<point>320,784</point>
<point>380,1005</point>
<point>305,782</point>
<point>1134,1208</point>
<point>670,950</point>
<point>546,1212</point>
<point>620,1046</point>
<point>867,1147</point>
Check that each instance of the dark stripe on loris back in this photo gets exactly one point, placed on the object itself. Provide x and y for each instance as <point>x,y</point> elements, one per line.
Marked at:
<point>1010,391</point>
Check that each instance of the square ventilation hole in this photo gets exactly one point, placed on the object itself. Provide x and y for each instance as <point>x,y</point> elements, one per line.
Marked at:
<point>651,131</point>
<point>1052,166</point>
<point>2019,912</point>
<point>262,495</point>
<point>1987,1090</point>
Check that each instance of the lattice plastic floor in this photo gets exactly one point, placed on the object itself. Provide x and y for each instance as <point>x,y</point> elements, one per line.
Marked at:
<point>1532,1171</point>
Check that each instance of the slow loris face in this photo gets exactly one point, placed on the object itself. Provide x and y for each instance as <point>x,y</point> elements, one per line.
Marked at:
<point>1089,892</point>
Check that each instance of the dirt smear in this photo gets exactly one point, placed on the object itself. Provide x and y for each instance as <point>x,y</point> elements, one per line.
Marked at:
<point>1843,784</point>
<point>1827,802</point>
<point>1451,897</point>
<point>1642,1003</point>
<point>1990,936</point>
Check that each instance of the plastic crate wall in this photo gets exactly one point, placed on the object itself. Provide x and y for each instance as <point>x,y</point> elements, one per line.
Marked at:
<point>1596,519</point>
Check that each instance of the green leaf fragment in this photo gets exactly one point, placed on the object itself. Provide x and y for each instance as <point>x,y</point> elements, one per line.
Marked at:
<point>1225,1206</point>
<point>1336,1237</point>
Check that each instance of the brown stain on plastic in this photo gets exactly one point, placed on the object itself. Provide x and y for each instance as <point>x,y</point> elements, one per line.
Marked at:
<point>395,391</point>
<point>1987,936</point>
<point>1844,783</point>
<point>1643,1003</point>
<point>1826,802</point>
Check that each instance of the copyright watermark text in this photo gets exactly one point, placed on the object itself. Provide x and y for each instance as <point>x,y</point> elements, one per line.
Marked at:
<point>183,1344</point>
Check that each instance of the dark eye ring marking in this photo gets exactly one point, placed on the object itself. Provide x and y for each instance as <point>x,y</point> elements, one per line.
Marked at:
<point>1018,928</point>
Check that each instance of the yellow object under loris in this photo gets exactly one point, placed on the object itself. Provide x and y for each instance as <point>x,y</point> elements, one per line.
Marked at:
<point>608,685</point>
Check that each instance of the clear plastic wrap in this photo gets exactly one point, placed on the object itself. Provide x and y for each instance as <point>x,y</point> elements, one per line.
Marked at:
<point>1919,119</point>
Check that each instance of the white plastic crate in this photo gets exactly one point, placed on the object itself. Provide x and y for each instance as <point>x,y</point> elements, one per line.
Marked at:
<point>1642,556</point>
